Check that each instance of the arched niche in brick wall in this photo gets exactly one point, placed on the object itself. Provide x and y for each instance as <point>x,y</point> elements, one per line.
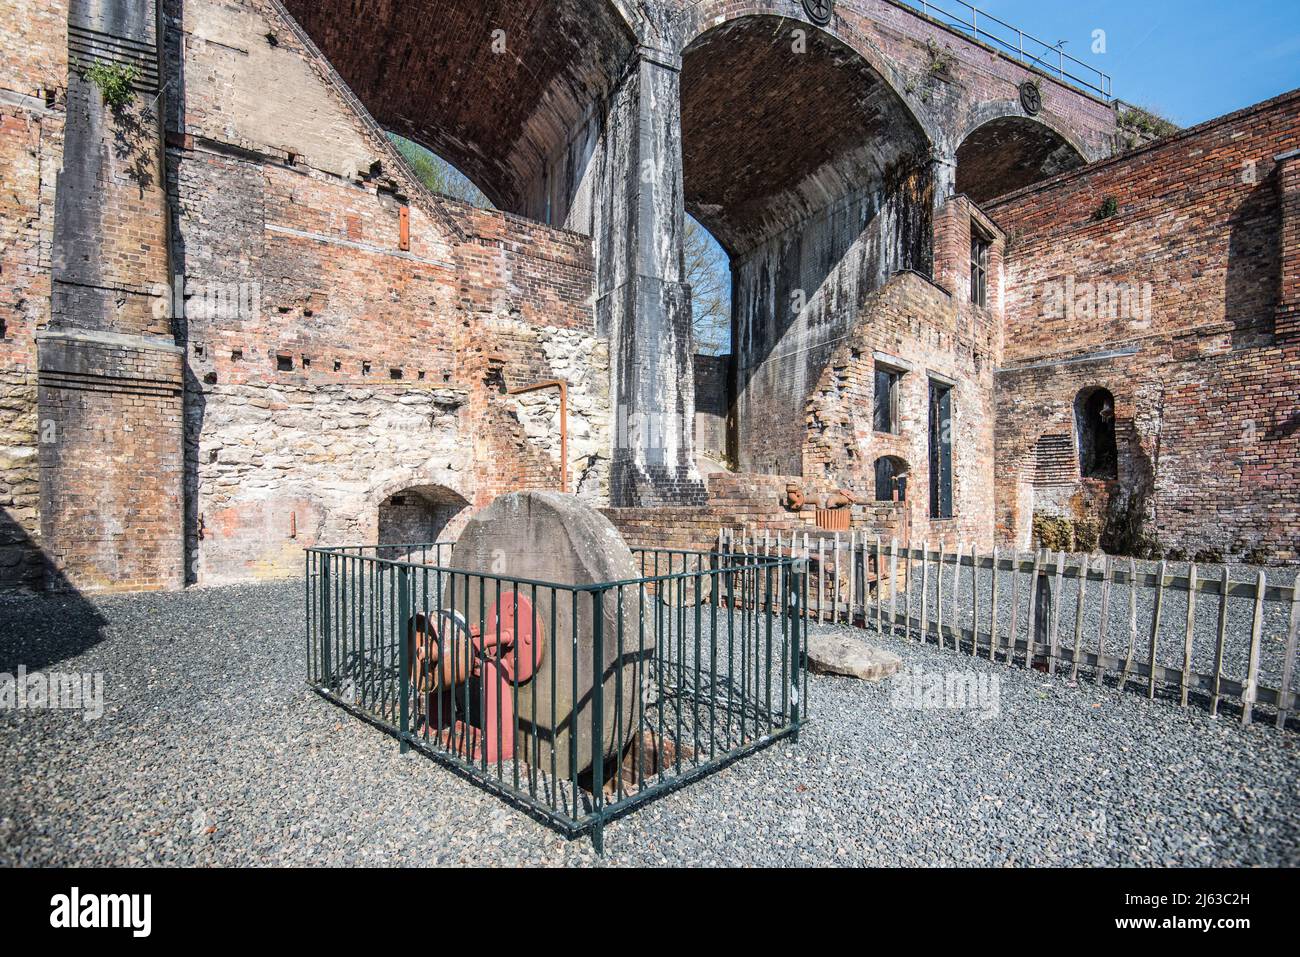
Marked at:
<point>1094,418</point>
<point>892,479</point>
<point>420,515</point>
<point>1007,153</point>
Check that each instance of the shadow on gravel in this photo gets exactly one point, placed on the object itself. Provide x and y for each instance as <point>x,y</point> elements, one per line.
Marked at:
<point>43,618</point>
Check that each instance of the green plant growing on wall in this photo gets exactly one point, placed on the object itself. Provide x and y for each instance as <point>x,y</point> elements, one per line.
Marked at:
<point>115,82</point>
<point>1108,208</point>
<point>1147,122</point>
<point>1054,534</point>
<point>941,59</point>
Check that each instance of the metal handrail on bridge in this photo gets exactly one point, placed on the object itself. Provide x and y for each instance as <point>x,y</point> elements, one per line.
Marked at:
<point>1049,57</point>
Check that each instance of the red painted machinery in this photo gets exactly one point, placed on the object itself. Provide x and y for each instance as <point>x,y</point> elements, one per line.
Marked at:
<point>465,680</point>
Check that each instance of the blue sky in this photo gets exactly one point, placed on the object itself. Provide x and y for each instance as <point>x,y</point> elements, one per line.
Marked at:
<point>1190,60</point>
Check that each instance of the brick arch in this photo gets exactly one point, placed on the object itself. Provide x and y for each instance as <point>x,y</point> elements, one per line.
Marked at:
<point>708,15</point>
<point>396,480</point>
<point>989,110</point>
<point>497,107</point>
<point>1013,149</point>
<point>760,158</point>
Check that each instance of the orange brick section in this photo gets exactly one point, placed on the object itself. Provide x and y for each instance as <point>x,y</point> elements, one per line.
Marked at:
<point>111,417</point>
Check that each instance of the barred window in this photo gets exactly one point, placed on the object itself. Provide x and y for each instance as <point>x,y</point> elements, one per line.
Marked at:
<point>979,266</point>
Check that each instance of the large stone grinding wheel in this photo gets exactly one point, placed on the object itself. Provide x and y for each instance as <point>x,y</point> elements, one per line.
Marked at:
<point>552,537</point>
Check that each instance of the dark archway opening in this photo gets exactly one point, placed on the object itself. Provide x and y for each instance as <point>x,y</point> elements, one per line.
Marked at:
<point>891,479</point>
<point>420,515</point>
<point>1094,413</point>
<point>1009,153</point>
<point>813,176</point>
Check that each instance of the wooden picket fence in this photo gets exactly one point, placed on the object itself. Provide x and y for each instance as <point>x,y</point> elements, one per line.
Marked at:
<point>916,594</point>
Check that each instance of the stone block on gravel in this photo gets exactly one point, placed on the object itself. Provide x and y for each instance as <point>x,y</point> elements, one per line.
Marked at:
<point>837,654</point>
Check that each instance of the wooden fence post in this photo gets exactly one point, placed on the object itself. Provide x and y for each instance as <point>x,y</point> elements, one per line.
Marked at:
<point>1078,618</point>
<point>1220,641</point>
<point>1286,697</point>
<point>993,608</point>
<point>1105,619</point>
<point>1185,675</point>
<point>1251,690</point>
<point>1155,629</point>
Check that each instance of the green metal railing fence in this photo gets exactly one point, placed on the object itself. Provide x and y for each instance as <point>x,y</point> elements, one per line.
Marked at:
<point>700,662</point>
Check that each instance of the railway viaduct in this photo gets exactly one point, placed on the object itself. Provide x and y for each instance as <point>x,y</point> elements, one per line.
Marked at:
<point>815,144</point>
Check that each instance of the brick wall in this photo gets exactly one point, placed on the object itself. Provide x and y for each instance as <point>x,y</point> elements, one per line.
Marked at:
<point>927,332</point>
<point>712,392</point>
<point>33,65</point>
<point>112,462</point>
<point>1288,307</point>
<point>354,368</point>
<point>1172,297</point>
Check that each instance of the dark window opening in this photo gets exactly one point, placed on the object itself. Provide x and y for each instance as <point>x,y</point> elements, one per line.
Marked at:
<point>3,329</point>
<point>236,355</point>
<point>979,266</point>
<point>306,361</point>
<point>885,414</point>
<point>394,373</point>
<point>365,368</point>
<point>891,479</point>
<point>1094,412</point>
<point>338,366</point>
<point>284,363</point>
<point>940,450</point>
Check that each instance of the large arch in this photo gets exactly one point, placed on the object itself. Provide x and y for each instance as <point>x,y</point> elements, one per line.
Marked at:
<point>1003,149</point>
<point>817,198</point>
<point>501,89</point>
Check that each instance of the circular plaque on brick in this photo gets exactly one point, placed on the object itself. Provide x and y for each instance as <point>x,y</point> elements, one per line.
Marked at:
<point>819,11</point>
<point>1031,98</point>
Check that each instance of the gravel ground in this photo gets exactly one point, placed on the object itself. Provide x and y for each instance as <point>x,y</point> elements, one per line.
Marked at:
<point>212,751</point>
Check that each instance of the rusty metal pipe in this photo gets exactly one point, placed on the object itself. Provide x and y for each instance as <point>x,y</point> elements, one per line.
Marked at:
<point>564,421</point>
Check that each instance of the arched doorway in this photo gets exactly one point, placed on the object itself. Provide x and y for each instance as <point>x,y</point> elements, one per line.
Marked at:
<point>1094,417</point>
<point>419,515</point>
<point>891,479</point>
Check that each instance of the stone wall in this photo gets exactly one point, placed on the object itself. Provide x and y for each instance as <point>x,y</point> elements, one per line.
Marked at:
<point>374,359</point>
<point>798,294</point>
<point>32,65</point>
<point>1158,275</point>
<point>712,405</point>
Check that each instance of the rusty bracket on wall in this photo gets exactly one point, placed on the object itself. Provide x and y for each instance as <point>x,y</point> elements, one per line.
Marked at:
<point>563,386</point>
